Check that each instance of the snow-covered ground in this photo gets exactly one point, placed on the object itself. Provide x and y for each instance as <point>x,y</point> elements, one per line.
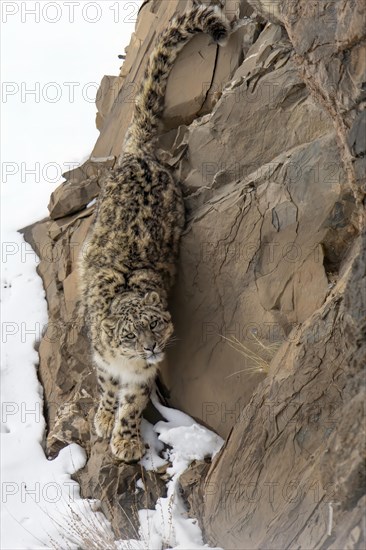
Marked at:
<point>50,49</point>
<point>187,441</point>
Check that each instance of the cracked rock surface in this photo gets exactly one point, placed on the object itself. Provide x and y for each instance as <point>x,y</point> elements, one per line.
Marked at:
<point>267,139</point>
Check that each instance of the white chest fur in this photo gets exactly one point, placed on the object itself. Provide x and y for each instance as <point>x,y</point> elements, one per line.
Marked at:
<point>128,371</point>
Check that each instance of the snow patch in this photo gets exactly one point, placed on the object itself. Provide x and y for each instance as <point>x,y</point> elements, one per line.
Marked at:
<point>168,525</point>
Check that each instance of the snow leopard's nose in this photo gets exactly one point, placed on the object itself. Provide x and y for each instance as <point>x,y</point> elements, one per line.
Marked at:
<point>151,347</point>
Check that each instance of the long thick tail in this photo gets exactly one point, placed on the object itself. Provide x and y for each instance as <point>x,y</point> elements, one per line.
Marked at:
<point>149,104</point>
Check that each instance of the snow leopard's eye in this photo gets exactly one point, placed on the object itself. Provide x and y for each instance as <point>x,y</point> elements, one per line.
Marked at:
<point>153,324</point>
<point>130,336</point>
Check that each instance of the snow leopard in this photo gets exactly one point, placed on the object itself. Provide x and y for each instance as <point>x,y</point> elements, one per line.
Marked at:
<point>128,263</point>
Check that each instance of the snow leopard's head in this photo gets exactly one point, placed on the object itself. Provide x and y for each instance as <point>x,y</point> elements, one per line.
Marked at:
<point>138,327</point>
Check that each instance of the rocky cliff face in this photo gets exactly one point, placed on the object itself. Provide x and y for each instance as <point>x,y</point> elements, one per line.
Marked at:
<point>268,139</point>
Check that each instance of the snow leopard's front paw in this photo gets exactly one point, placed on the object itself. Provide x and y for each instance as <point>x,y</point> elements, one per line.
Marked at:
<point>127,450</point>
<point>104,422</point>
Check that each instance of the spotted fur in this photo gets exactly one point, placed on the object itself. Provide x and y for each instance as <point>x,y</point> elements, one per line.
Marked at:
<point>128,264</point>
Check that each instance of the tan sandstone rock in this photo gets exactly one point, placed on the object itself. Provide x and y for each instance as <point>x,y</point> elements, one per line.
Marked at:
<point>270,151</point>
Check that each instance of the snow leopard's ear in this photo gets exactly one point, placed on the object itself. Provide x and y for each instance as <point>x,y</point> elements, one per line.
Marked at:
<point>152,298</point>
<point>108,324</point>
